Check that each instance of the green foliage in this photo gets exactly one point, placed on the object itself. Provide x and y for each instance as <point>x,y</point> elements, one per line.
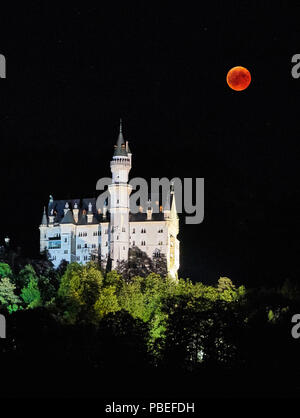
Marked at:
<point>79,290</point>
<point>31,294</point>
<point>5,270</point>
<point>26,275</point>
<point>113,278</point>
<point>8,298</point>
<point>47,288</point>
<point>107,302</point>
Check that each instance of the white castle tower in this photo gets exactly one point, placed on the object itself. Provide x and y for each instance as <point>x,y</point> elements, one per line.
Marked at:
<point>119,201</point>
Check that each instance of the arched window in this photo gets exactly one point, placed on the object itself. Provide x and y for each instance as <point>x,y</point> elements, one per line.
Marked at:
<point>156,253</point>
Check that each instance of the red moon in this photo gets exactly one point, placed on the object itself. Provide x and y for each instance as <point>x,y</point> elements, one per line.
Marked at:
<point>238,78</point>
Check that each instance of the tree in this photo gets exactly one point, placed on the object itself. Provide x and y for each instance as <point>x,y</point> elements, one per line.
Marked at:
<point>140,264</point>
<point>79,290</point>
<point>107,302</point>
<point>25,276</point>
<point>7,296</point>
<point>48,289</point>
<point>61,269</point>
<point>5,270</point>
<point>113,278</point>
<point>228,291</point>
<point>31,294</point>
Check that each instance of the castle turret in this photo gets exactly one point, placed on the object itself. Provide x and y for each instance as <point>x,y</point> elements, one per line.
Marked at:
<point>173,243</point>
<point>149,211</point>
<point>90,214</point>
<point>75,212</point>
<point>43,232</point>
<point>119,201</point>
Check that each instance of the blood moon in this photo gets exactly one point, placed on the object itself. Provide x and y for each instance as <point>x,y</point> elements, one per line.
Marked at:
<point>238,78</point>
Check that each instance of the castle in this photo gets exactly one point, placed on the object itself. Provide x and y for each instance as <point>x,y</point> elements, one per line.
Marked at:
<point>76,231</point>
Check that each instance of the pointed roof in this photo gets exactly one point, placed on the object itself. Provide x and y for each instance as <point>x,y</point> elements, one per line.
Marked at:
<point>120,148</point>
<point>173,204</point>
<point>68,218</point>
<point>44,218</point>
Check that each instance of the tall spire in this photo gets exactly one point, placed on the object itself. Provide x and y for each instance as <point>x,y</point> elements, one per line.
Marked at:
<point>173,204</point>
<point>44,218</point>
<point>120,148</point>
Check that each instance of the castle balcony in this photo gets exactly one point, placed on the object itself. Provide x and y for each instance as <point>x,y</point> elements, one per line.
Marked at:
<point>120,161</point>
<point>54,245</point>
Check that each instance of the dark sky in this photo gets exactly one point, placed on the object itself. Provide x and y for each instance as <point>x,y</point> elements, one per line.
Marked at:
<point>72,72</point>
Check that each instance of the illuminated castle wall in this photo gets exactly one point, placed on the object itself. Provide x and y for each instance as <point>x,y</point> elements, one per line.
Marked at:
<point>74,230</point>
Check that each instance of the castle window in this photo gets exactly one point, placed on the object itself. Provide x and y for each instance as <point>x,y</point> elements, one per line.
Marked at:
<point>106,244</point>
<point>78,246</point>
<point>160,243</point>
<point>66,252</point>
<point>106,231</point>
<point>117,237</point>
<point>78,258</point>
<point>143,243</point>
<point>160,230</point>
<point>156,253</point>
<point>123,229</point>
<point>85,246</point>
<point>66,239</point>
<point>133,231</point>
<point>143,230</point>
<point>118,201</point>
<point>133,243</point>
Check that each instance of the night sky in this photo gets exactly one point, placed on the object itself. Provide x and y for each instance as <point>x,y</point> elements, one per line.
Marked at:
<point>72,72</point>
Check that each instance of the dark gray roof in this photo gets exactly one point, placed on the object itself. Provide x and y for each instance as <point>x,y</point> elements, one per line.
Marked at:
<point>142,217</point>
<point>44,218</point>
<point>83,219</point>
<point>120,148</point>
<point>68,218</point>
<point>58,207</point>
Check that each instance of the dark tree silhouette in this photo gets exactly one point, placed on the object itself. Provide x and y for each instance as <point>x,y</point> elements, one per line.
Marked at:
<point>140,264</point>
